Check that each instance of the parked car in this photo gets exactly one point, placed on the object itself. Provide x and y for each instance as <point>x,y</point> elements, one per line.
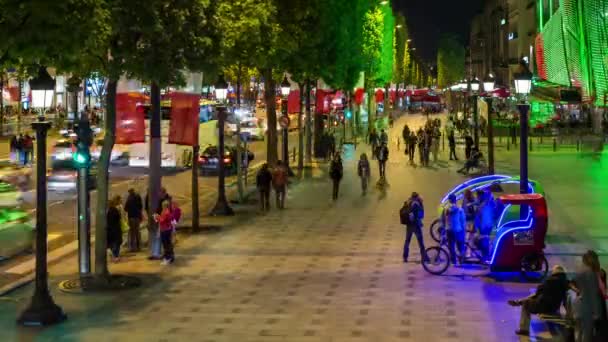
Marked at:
<point>209,161</point>
<point>17,232</point>
<point>17,175</point>
<point>63,177</point>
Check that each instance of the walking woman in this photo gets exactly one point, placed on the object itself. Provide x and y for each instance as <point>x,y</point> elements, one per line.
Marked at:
<point>364,172</point>
<point>114,227</point>
<point>590,304</point>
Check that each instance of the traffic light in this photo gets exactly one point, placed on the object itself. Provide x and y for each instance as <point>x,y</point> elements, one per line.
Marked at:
<point>348,114</point>
<point>82,155</point>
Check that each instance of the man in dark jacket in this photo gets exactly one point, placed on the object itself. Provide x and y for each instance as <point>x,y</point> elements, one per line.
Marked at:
<point>262,182</point>
<point>414,226</point>
<point>382,159</point>
<point>134,208</point>
<point>547,299</point>
<point>335,173</point>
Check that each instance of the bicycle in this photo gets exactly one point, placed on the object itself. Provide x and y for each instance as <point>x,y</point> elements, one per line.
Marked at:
<point>439,257</point>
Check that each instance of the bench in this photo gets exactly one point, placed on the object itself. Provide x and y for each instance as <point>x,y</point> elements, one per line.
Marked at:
<point>559,325</point>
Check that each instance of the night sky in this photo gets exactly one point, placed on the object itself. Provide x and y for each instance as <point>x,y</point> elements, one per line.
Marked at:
<point>428,19</point>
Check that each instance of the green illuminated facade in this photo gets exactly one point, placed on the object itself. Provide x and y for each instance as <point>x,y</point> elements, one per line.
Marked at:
<point>572,46</point>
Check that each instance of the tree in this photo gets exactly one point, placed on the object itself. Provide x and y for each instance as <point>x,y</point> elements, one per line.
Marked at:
<point>450,61</point>
<point>372,52</point>
<point>401,49</point>
<point>385,68</point>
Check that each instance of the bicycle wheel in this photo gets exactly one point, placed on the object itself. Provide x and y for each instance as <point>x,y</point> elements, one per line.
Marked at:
<point>534,267</point>
<point>438,260</point>
<point>436,230</point>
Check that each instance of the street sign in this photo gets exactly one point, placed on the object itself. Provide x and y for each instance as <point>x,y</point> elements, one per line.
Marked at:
<point>284,121</point>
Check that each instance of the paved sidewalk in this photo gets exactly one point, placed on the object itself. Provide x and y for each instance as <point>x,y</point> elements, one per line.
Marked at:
<point>317,271</point>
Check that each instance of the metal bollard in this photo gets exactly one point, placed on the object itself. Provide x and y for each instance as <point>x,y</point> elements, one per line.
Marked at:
<point>578,144</point>
<point>293,159</point>
<point>554,144</point>
<point>541,139</point>
<point>530,144</point>
<point>508,144</point>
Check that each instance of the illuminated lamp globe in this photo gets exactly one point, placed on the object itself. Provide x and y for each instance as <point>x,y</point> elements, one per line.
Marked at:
<point>285,86</point>
<point>43,88</point>
<point>221,88</point>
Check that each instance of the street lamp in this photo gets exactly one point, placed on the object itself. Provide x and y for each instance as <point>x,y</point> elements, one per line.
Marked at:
<point>488,87</point>
<point>474,86</point>
<point>221,207</point>
<point>42,309</point>
<point>285,89</point>
<point>523,86</point>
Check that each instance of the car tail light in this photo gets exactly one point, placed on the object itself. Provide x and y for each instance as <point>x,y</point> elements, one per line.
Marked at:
<point>226,160</point>
<point>202,160</point>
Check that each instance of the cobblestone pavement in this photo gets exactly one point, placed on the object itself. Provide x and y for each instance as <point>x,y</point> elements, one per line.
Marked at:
<point>317,271</point>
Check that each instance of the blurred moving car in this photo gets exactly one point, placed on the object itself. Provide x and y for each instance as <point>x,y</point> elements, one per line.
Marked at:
<point>117,155</point>
<point>10,196</point>
<point>209,161</point>
<point>250,126</point>
<point>17,175</point>
<point>63,177</point>
<point>17,232</point>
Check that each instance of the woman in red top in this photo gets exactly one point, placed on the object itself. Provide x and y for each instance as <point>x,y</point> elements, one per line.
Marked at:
<point>165,223</point>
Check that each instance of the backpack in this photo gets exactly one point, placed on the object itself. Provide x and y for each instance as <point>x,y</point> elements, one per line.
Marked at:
<point>279,177</point>
<point>404,213</point>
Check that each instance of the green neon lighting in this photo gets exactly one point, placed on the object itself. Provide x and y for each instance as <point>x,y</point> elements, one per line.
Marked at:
<point>540,15</point>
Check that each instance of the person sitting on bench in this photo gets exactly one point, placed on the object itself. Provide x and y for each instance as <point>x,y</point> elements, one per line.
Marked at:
<point>548,298</point>
<point>473,161</point>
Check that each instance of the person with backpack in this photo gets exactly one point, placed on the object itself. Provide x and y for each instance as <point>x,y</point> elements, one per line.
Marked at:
<point>364,172</point>
<point>382,159</point>
<point>411,215</point>
<point>454,221</point>
<point>336,172</point>
<point>279,183</point>
<point>262,181</point>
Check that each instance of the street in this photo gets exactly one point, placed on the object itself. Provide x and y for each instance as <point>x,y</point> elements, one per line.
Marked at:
<point>317,271</point>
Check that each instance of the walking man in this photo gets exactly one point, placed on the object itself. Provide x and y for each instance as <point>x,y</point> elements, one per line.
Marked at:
<point>336,172</point>
<point>262,182</point>
<point>454,221</point>
<point>382,159</point>
<point>411,215</point>
<point>411,148</point>
<point>452,143</point>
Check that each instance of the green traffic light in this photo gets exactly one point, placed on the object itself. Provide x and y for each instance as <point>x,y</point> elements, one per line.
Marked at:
<point>80,158</point>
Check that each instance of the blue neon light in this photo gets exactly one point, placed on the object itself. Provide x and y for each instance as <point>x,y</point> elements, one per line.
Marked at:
<point>472,182</point>
<point>487,185</point>
<point>530,224</point>
<point>505,210</point>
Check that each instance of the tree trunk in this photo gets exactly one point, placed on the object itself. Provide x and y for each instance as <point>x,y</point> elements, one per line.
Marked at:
<point>239,152</point>
<point>238,87</point>
<point>2,104</point>
<point>195,206</point>
<point>154,168</point>
<point>308,124</point>
<point>318,131</point>
<point>300,133</point>
<point>19,105</point>
<point>271,117</point>
<point>103,165</point>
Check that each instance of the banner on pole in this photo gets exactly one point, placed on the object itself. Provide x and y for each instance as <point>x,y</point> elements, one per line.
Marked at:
<point>130,122</point>
<point>183,129</point>
<point>293,102</point>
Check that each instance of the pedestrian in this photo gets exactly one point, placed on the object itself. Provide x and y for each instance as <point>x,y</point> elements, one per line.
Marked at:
<point>363,171</point>
<point>19,148</point>
<point>331,139</point>
<point>336,172</point>
<point>435,138</point>
<point>469,207</point>
<point>468,146</point>
<point>589,305</point>
<point>411,146</point>
<point>383,137</point>
<point>454,221</point>
<point>154,243</point>
<point>373,141</point>
<point>452,143</point>
<point>420,140</point>
<point>13,149</point>
<point>165,223</point>
<point>484,221</point>
<point>279,183</point>
<point>114,228</point>
<point>406,137</point>
<point>134,208</point>
<point>411,215</point>
<point>382,159</point>
<point>28,149</point>
<point>428,141</point>
<point>262,182</point>
<point>547,299</point>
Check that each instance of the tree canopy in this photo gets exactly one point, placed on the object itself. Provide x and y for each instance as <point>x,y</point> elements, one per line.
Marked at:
<point>450,61</point>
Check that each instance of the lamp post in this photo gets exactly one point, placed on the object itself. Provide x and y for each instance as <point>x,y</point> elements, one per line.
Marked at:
<point>42,309</point>
<point>462,86</point>
<point>474,86</point>
<point>523,85</point>
<point>488,87</point>
<point>285,88</point>
<point>221,207</point>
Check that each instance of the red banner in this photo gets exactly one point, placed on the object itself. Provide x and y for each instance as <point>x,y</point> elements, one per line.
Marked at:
<point>392,95</point>
<point>379,96</point>
<point>183,129</point>
<point>130,124</point>
<point>320,103</point>
<point>359,96</point>
<point>293,102</point>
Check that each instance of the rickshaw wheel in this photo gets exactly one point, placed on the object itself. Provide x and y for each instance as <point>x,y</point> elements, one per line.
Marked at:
<point>436,230</point>
<point>534,267</point>
<point>438,260</point>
